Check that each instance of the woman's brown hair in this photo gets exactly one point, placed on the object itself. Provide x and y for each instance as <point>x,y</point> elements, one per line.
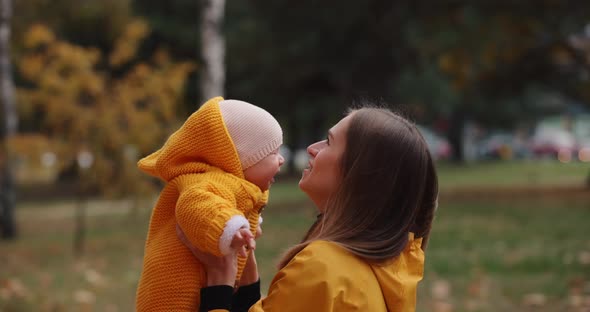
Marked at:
<point>389,188</point>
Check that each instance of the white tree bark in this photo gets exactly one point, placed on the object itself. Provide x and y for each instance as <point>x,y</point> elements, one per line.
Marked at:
<point>10,124</point>
<point>212,49</point>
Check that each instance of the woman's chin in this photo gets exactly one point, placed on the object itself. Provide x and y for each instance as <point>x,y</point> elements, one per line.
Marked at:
<point>302,184</point>
<point>305,175</point>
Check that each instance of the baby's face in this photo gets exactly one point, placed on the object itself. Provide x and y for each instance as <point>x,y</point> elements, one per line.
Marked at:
<point>262,173</point>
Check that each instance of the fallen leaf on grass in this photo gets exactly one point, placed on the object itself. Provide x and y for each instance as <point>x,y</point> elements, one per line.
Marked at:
<point>13,288</point>
<point>80,266</point>
<point>5,294</point>
<point>473,305</point>
<point>575,301</point>
<point>576,285</point>
<point>94,278</point>
<point>513,257</point>
<point>111,308</point>
<point>45,280</point>
<point>441,290</point>
<point>479,288</point>
<point>442,306</point>
<point>84,296</point>
<point>534,300</point>
<point>584,257</point>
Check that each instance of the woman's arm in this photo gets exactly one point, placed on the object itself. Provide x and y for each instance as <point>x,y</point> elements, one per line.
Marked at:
<point>219,294</point>
<point>223,297</point>
<point>249,286</point>
<point>247,294</point>
<point>250,273</point>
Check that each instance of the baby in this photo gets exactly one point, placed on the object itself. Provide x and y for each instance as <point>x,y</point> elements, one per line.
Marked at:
<point>218,168</point>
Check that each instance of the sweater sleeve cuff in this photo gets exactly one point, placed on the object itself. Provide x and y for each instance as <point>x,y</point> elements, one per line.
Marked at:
<point>246,296</point>
<point>232,226</point>
<point>214,231</point>
<point>216,297</point>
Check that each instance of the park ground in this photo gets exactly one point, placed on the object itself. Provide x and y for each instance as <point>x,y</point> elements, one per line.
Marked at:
<point>507,237</point>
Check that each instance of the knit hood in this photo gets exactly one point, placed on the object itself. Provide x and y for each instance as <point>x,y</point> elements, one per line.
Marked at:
<point>202,141</point>
<point>399,279</point>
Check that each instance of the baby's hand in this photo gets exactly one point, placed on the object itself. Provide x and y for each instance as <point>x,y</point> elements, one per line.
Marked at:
<point>243,241</point>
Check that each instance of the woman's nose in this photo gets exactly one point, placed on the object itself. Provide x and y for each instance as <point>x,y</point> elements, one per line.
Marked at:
<point>313,149</point>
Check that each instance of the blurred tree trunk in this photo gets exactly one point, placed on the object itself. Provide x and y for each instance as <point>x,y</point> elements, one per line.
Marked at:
<point>455,135</point>
<point>80,226</point>
<point>9,127</point>
<point>293,137</point>
<point>212,49</point>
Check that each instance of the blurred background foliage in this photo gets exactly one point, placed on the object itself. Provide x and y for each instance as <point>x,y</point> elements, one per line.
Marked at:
<point>114,100</point>
<point>451,61</point>
<point>75,97</point>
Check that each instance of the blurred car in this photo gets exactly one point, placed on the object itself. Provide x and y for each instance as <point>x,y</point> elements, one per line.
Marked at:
<point>503,146</point>
<point>439,147</point>
<point>551,142</point>
<point>583,150</point>
<point>581,130</point>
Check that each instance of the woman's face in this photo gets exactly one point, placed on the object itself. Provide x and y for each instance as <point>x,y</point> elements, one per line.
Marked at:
<point>322,176</point>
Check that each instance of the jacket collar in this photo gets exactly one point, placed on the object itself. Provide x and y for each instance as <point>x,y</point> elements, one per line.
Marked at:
<point>399,278</point>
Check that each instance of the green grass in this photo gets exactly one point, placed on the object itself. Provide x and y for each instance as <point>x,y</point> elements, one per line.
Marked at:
<point>40,273</point>
<point>515,173</point>
<point>506,174</point>
<point>510,248</point>
<point>483,256</point>
<point>491,256</point>
<point>286,190</point>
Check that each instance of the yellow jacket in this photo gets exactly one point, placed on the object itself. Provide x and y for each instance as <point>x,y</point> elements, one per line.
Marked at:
<point>207,195</point>
<point>326,277</point>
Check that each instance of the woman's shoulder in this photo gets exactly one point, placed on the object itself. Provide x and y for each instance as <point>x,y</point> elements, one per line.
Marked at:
<point>332,258</point>
<point>333,276</point>
<point>322,247</point>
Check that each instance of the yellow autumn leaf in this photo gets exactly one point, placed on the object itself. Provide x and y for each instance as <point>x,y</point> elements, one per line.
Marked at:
<point>38,34</point>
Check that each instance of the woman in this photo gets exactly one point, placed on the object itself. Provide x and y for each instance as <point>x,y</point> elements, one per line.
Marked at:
<point>375,185</point>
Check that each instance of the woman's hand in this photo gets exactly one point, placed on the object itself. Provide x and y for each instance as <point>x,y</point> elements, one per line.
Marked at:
<point>220,270</point>
<point>250,273</point>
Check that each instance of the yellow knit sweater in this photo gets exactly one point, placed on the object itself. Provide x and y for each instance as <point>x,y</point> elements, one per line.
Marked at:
<point>205,189</point>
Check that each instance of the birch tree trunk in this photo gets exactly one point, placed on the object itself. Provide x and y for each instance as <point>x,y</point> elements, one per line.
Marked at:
<point>212,49</point>
<point>9,124</point>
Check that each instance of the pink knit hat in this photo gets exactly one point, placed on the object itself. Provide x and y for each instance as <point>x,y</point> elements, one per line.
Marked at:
<point>254,131</point>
